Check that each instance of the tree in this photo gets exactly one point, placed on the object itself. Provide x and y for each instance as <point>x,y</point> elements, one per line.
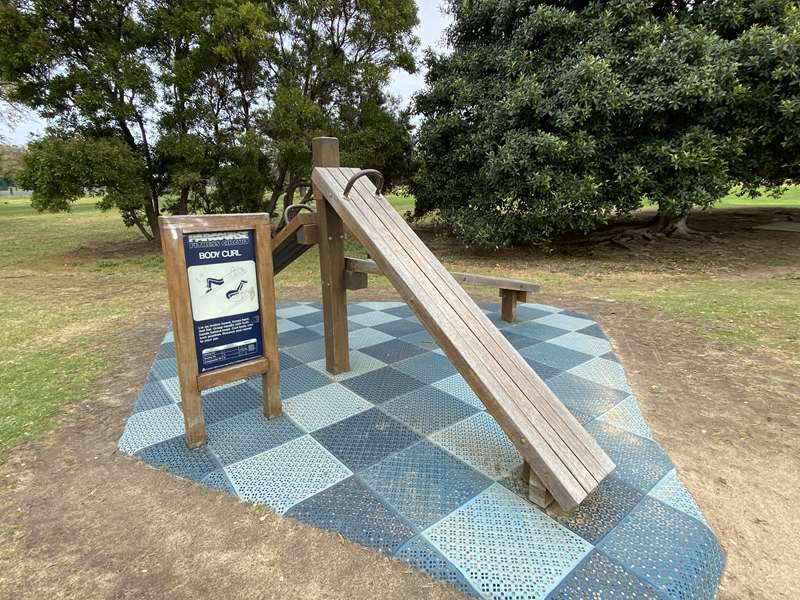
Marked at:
<point>11,163</point>
<point>193,104</point>
<point>554,116</point>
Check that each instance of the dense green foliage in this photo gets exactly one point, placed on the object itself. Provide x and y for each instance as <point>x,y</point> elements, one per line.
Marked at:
<point>11,163</point>
<point>204,105</point>
<point>554,116</point>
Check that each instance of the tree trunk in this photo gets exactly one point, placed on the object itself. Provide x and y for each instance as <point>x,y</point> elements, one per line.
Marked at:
<point>277,190</point>
<point>672,226</point>
<point>183,202</point>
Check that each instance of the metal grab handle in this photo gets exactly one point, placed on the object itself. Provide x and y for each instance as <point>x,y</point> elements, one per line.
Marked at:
<point>351,182</point>
<point>285,219</point>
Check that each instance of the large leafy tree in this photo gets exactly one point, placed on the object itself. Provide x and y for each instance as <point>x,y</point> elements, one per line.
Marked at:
<point>193,105</point>
<point>554,116</point>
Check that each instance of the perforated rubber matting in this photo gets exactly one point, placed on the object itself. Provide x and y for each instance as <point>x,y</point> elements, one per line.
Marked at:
<point>399,455</point>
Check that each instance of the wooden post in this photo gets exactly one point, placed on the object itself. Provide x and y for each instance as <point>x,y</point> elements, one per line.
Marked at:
<point>537,493</point>
<point>325,153</point>
<point>509,299</point>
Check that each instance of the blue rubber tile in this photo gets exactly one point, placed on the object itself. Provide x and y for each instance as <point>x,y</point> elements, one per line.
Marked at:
<point>287,361</point>
<point>580,342</point>
<point>230,401</point>
<point>428,409</point>
<point>505,547</point>
<point>285,325</point>
<point>373,318</point>
<point>563,320</point>
<point>424,483</point>
<point>248,434</point>
<point>457,386</point>
<point>324,406</point>
<point>640,462</point>
<point>392,351</point>
<point>528,313</point>
<point>626,415</point>
<point>673,552</point>
<point>480,442</point>
<point>153,395</point>
<point>166,350</point>
<point>499,323</point>
<point>354,511</point>
<point>293,310</point>
<point>149,427</point>
<point>400,328</point>
<point>287,474</point>
<point>382,384</point>
<point>356,309</point>
<point>605,372</point>
<point>602,510</point>
<point>610,356</point>
<point>422,556</point>
<point>517,340</point>
<point>672,492</point>
<point>428,368</point>
<point>366,438</point>
<point>543,371</point>
<point>217,480</point>
<point>598,577</point>
<point>422,339</point>
<point>367,336</point>
<point>308,352</point>
<point>538,331</point>
<point>583,395</point>
<point>555,356</point>
<point>593,329</point>
<point>311,318</point>
<point>400,311</point>
<point>164,369</point>
<point>300,380</point>
<point>176,457</point>
<point>296,337</point>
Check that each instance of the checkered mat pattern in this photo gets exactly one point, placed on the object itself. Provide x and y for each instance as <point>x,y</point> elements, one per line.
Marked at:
<point>399,455</point>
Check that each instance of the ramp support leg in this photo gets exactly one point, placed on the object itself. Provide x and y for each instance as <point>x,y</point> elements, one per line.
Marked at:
<point>537,493</point>
<point>325,153</point>
<point>509,299</point>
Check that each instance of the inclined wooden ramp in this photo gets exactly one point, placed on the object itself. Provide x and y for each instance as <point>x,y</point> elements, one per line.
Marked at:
<point>566,459</point>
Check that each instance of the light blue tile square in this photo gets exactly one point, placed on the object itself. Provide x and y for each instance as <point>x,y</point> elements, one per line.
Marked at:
<point>324,406</point>
<point>457,386</point>
<point>296,310</point>
<point>375,317</point>
<point>285,475</point>
<point>580,342</point>
<point>480,442</point>
<point>285,325</point>
<point>361,338</point>
<point>626,415</point>
<point>150,427</point>
<point>507,548</point>
<point>360,363</point>
<point>605,372</point>
<point>671,491</point>
<point>564,321</point>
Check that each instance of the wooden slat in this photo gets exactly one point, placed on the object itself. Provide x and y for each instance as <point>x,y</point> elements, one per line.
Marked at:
<point>595,459</point>
<point>425,288</point>
<point>365,265</point>
<point>557,414</point>
<point>461,349</point>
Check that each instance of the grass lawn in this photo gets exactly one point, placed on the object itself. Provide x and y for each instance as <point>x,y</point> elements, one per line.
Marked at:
<point>71,281</point>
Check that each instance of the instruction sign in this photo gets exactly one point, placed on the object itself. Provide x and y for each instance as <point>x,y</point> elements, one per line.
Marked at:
<point>223,289</point>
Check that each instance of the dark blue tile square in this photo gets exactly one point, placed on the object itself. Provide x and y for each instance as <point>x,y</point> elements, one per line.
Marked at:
<point>424,483</point>
<point>519,341</point>
<point>598,577</point>
<point>301,379</point>
<point>543,371</point>
<point>673,552</point>
<point>539,331</point>
<point>400,311</point>
<point>365,438</point>
<point>399,328</point>
<point>602,510</point>
<point>176,457</point>
<point>166,350</point>
<point>153,395</point>
<point>392,351</point>
<point>423,556</point>
<point>248,434</point>
<point>382,384</point>
<point>640,462</point>
<point>287,362</point>
<point>555,356</point>
<point>164,368</point>
<point>296,337</point>
<point>528,313</point>
<point>594,330</point>
<point>357,309</point>
<point>354,511</point>
<point>308,319</point>
<point>428,368</point>
<point>586,396</point>
<point>610,356</point>
<point>230,401</point>
<point>428,409</point>
<point>421,338</point>
<point>217,480</point>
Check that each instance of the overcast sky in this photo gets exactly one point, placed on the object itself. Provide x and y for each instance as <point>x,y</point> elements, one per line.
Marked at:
<point>430,31</point>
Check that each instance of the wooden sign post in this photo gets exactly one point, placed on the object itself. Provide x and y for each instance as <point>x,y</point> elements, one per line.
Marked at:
<point>222,301</point>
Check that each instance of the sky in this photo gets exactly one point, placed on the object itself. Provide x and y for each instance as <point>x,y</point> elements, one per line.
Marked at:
<point>403,85</point>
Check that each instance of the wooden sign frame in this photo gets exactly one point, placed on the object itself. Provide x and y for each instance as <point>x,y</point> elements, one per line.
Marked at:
<point>192,382</point>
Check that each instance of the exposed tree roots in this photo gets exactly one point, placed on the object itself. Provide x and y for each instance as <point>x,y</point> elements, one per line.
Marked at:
<point>660,227</point>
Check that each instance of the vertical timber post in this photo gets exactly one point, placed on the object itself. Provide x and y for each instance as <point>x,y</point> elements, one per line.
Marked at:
<point>325,153</point>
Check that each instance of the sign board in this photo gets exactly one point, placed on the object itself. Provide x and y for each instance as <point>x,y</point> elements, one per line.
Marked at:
<point>222,301</point>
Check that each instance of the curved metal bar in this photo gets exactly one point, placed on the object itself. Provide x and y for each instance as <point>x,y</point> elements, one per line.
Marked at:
<point>364,172</point>
<point>285,219</point>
